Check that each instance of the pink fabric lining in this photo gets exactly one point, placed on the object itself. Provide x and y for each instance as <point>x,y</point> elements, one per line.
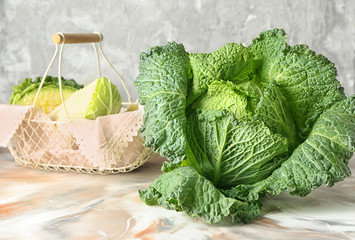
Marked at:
<point>108,143</point>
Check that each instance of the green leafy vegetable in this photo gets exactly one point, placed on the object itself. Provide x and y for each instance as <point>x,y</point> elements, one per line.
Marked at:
<point>228,152</point>
<point>183,189</point>
<point>48,98</point>
<point>162,87</point>
<point>232,62</point>
<point>99,98</point>
<point>273,111</point>
<point>307,80</point>
<point>248,120</point>
<point>321,159</point>
<point>223,96</point>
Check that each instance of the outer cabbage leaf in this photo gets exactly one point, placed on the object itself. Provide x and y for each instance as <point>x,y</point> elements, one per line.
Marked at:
<point>232,62</point>
<point>321,159</point>
<point>307,80</point>
<point>162,88</point>
<point>229,152</point>
<point>183,189</point>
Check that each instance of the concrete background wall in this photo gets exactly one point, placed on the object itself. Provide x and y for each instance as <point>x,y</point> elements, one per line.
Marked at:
<point>131,26</point>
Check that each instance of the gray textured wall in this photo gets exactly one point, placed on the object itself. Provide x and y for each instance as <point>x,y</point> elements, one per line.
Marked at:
<point>131,26</point>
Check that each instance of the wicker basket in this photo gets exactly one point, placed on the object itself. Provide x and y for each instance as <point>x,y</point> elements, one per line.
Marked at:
<point>39,143</point>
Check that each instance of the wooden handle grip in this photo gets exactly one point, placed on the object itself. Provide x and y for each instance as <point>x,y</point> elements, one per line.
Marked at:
<point>77,38</point>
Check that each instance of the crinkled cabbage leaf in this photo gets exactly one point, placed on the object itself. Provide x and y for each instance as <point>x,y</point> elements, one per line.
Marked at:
<point>183,189</point>
<point>162,88</point>
<point>229,152</point>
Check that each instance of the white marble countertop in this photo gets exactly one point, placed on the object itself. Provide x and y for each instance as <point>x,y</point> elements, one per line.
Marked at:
<point>37,204</point>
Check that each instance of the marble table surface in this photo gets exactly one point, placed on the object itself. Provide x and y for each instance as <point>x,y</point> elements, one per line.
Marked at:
<point>37,204</point>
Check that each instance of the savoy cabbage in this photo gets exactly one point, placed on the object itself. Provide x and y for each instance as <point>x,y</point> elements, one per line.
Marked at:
<point>241,122</point>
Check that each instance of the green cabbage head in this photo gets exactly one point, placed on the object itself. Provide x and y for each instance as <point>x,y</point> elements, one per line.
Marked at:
<point>241,122</point>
